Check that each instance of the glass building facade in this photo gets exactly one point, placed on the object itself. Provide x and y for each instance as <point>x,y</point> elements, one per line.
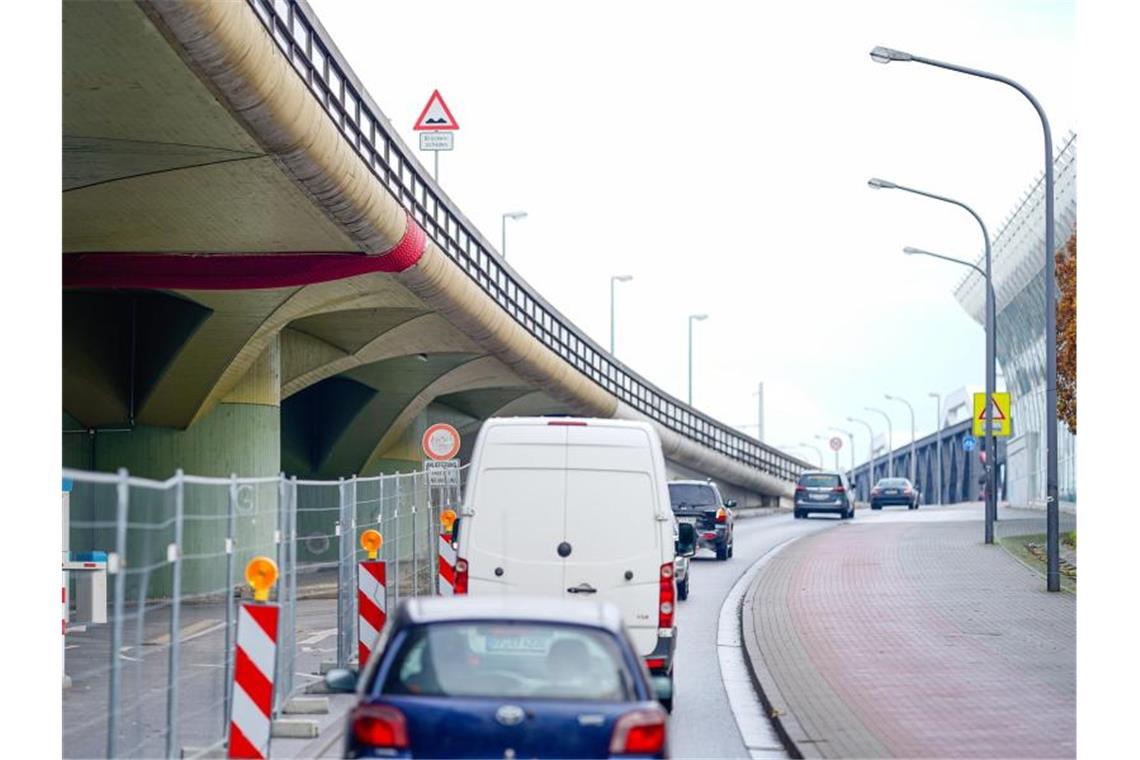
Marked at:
<point>1019,289</point>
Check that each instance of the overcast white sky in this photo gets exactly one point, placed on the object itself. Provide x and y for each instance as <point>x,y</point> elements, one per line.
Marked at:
<point>719,153</point>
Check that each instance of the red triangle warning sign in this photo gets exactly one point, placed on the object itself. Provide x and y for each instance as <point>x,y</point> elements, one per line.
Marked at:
<point>998,416</point>
<point>436,115</point>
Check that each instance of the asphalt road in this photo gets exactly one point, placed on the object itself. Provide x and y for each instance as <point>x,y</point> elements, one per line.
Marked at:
<point>703,724</point>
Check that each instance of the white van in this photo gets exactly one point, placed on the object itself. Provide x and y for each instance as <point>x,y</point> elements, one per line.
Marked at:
<point>576,508</point>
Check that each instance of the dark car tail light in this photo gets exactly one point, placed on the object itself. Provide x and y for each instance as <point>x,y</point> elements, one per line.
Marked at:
<point>840,489</point>
<point>641,732</point>
<point>654,663</point>
<point>379,726</point>
<point>665,597</point>
<point>461,576</point>
<point>722,515</point>
<point>875,492</point>
<point>800,488</point>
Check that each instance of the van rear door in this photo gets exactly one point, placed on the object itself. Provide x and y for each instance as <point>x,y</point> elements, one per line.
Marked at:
<point>519,504</point>
<point>612,526</point>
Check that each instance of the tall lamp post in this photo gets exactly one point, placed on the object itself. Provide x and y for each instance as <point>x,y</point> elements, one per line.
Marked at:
<point>989,442</point>
<point>991,379</point>
<point>615,279</point>
<point>760,419</point>
<point>1052,520</point>
<point>890,440</point>
<point>938,431</point>
<point>817,451</point>
<point>913,461</point>
<point>506,216</point>
<point>870,451</point>
<point>693,318</point>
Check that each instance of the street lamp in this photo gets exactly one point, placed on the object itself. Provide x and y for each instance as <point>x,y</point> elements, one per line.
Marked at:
<point>615,278</point>
<point>693,318</point>
<point>817,451</point>
<point>913,461</point>
<point>760,419</point>
<point>506,216</point>
<point>870,451</point>
<point>938,429</point>
<point>989,442</point>
<point>890,440</point>
<point>1052,520</point>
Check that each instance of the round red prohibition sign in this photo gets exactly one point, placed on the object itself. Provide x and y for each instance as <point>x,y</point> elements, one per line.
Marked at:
<point>441,442</point>
<point>836,443</point>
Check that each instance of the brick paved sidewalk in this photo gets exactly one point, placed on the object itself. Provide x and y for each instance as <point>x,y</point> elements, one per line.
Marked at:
<point>904,637</point>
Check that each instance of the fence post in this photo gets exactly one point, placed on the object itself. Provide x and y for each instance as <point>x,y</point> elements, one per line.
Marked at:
<point>283,601</point>
<point>340,584</point>
<point>174,553</point>
<point>396,516</point>
<point>350,574</point>
<point>227,684</point>
<point>292,653</point>
<point>415,543</point>
<point>122,490</point>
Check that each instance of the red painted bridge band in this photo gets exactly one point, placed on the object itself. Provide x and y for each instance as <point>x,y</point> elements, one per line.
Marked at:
<point>235,271</point>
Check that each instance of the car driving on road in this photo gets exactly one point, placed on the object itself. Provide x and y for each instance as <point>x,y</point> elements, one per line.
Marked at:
<point>699,503</point>
<point>824,491</point>
<point>894,492</point>
<point>499,676</point>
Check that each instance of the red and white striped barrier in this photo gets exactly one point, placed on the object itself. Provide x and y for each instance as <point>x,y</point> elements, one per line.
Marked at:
<point>254,667</point>
<point>372,600</point>
<point>447,559</point>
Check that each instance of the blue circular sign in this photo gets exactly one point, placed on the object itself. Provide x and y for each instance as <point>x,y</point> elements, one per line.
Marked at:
<point>969,443</point>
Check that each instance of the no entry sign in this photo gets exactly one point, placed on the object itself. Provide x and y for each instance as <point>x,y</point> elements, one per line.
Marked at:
<point>441,442</point>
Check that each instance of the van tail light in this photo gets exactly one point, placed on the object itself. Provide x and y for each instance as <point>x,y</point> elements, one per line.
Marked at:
<point>840,489</point>
<point>666,597</point>
<point>379,726</point>
<point>641,732</point>
<point>461,576</point>
<point>721,516</point>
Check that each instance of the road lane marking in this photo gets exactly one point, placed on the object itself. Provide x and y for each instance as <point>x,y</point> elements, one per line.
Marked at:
<point>318,636</point>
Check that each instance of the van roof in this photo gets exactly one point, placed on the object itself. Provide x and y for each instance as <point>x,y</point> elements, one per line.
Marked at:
<point>534,609</point>
<point>589,422</point>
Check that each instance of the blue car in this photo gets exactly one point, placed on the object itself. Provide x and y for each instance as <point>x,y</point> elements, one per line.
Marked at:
<point>485,676</point>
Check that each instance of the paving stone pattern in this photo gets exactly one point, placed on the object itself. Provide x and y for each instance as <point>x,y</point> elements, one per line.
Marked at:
<point>917,640</point>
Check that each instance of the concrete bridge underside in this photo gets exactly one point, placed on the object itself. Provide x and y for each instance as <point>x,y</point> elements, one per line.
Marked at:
<point>242,294</point>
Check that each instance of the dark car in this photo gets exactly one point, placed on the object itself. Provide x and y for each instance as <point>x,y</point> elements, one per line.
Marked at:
<point>699,503</point>
<point>824,491</point>
<point>505,676</point>
<point>895,492</point>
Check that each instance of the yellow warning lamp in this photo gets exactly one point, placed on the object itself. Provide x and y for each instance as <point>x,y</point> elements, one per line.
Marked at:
<point>371,540</point>
<point>447,519</point>
<point>261,574</point>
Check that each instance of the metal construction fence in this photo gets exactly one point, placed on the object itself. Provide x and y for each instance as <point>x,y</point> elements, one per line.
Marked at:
<point>155,680</point>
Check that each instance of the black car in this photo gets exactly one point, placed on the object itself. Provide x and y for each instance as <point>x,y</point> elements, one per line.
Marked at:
<point>824,491</point>
<point>699,503</point>
<point>894,492</point>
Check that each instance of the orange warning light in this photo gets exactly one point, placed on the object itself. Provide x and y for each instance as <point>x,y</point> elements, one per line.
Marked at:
<point>371,540</point>
<point>261,574</point>
<point>447,519</point>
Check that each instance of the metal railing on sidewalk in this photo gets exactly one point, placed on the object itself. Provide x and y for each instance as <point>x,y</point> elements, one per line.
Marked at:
<point>156,679</point>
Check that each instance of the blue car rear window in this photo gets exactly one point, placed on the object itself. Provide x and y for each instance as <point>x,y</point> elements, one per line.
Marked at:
<point>510,660</point>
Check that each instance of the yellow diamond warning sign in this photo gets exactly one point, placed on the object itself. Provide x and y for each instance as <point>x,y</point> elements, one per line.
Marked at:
<point>998,420</point>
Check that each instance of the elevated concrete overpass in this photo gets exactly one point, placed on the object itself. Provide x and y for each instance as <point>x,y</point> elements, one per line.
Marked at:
<point>260,277</point>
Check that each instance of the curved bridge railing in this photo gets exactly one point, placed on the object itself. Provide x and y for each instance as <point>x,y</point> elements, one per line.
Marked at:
<point>309,48</point>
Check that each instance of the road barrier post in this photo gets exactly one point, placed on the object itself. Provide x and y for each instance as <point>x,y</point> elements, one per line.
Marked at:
<point>255,666</point>
<point>371,596</point>
<point>447,554</point>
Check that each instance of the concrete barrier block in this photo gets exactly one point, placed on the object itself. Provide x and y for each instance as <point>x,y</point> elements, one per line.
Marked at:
<point>293,728</point>
<point>307,706</point>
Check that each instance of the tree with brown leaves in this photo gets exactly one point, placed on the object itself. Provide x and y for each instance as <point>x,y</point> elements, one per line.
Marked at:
<point>1067,333</point>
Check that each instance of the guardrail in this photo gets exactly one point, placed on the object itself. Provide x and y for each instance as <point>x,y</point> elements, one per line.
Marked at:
<point>309,48</point>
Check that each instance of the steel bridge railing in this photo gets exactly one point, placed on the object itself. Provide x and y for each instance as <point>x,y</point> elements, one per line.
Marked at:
<point>309,48</point>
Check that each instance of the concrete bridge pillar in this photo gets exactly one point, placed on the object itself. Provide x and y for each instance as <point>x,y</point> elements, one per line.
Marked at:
<point>239,435</point>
